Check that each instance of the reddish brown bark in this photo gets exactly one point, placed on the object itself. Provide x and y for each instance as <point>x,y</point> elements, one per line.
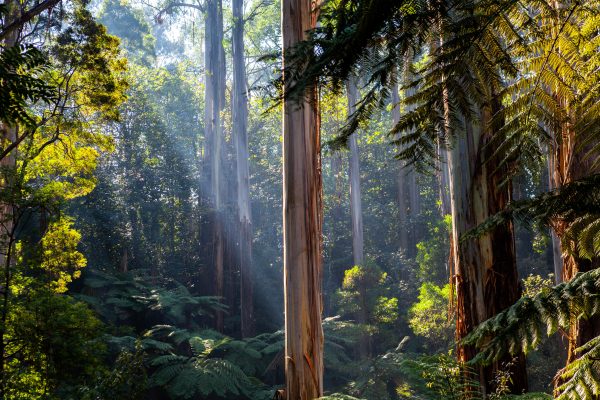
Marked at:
<point>485,273</point>
<point>301,223</point>
<point>567,162</point>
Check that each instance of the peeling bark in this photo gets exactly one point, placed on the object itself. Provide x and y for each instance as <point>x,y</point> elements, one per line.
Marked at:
<point>484,270</point>
<point>302,223</point>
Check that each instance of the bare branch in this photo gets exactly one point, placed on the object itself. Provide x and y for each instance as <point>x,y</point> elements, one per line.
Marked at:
<point>27,16</point>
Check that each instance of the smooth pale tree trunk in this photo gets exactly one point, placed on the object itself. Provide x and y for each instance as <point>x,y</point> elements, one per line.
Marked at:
<point>354,180</point>
<point>401,181</point>
<point>442,178</point>
<point>410,190</point>
<point>214,103</point>
<point>364,348</point>
<point>302,219</point>
<point>240,134</point>
<point>556,247</point>
<point>414,204</point>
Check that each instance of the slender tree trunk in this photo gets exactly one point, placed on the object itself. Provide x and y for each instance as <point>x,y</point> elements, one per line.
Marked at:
<point>442,178</point>
<point>414,206</point>
<point>556,247</point>
<point>364,348</point>
<point>302,219</point>
<point>214,103</point>
<point>412,189</point>
<point>240,134</point>
<point>354,178</point>
<point>401,181</point>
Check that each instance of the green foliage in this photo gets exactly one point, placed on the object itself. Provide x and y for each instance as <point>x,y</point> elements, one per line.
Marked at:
<point>125,298</point>
<point>398,375</point>
<point>203,364</point>
<point>21,83</point>
<point>94,58</point>
<point>363,293</point>
<point>429,317</point>
<point>54,346</point>
<point>558,84</point>
<point>536,284</point>
<point>580,379</point>
<point>185,378</point>
<point>126,379</point>
<point>60,257</point>
<point>519,328</point>
<point>132,29</point>
<point>432,255</point>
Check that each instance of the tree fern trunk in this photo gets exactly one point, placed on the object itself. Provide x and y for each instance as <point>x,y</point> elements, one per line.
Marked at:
<point>302,218</point>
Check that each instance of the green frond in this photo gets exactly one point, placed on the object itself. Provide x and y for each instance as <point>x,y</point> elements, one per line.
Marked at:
<point>582,377</point>
<point>519,327</point>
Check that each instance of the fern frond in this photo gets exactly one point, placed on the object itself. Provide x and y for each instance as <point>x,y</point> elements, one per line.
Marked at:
<point>519,327</point>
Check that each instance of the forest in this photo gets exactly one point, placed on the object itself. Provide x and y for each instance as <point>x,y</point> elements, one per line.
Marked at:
<point>299,199</point>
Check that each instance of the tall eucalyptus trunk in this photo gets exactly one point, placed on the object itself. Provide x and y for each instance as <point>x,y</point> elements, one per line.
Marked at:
<point>442,180</point>
<point>364,345</point>
<point>484,269</point>
<point>214,105</point>
<point>354,180</point>
<point>240,134</point>
<point>414,197</point>
<point>401,182</point>
<point>302,221</point>
<point>557,259</point>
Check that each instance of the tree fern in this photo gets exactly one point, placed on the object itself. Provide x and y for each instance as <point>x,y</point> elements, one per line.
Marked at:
<point>582,377</point>
<point>125,295</point>
<point>522,327</point>
<point>557,82</point>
